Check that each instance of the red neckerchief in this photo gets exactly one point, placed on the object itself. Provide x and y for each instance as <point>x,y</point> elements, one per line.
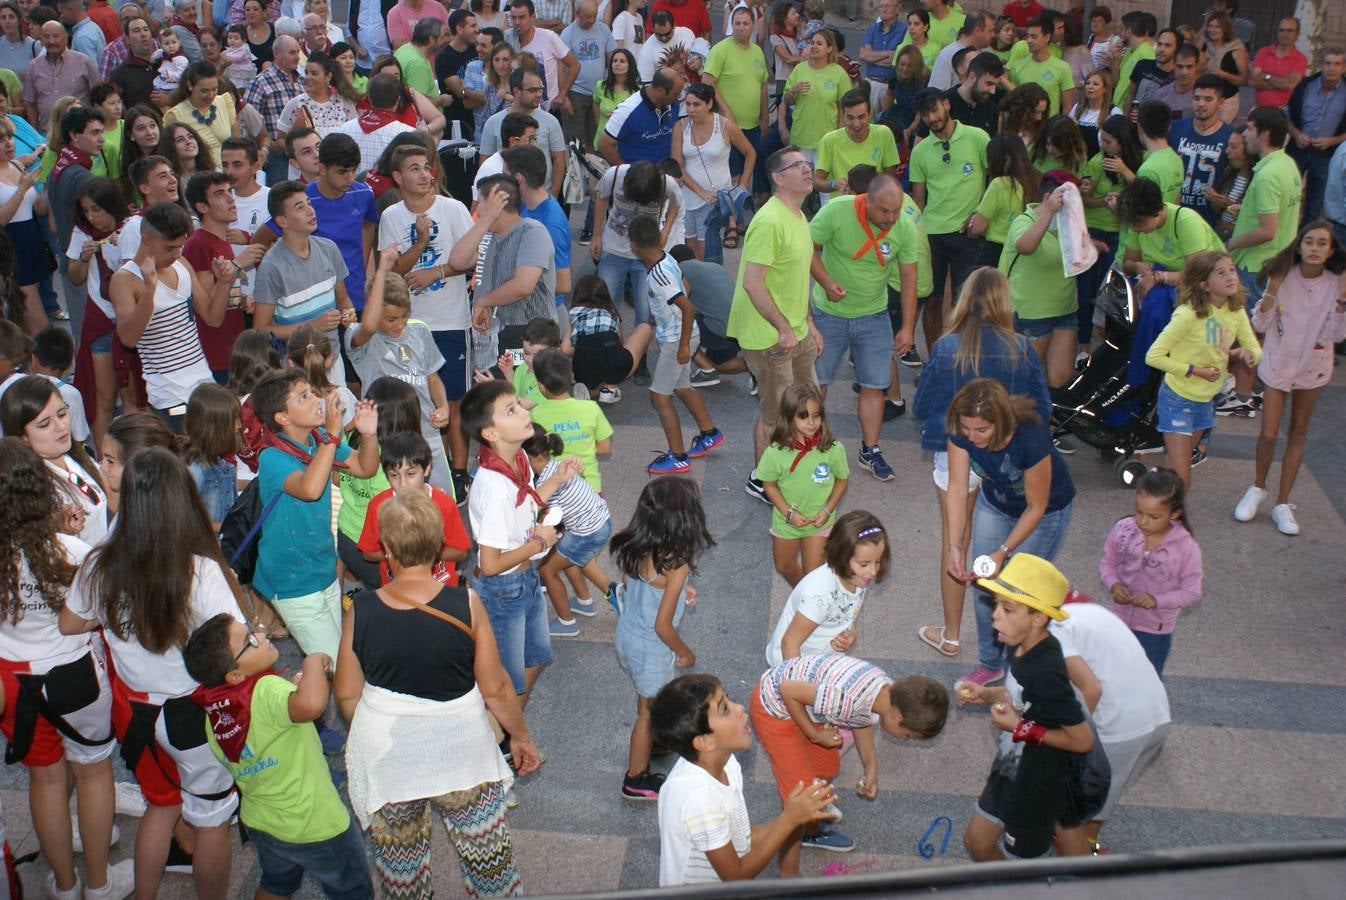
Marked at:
<point>805,446</point>
<point>372,120</point>
<point>229,710</point>
<point>70,156</point>
<point>862,213</point>
<point>104,270</point>
<point>190,26</point>
<point>299,451</point>
<point>518,475</point>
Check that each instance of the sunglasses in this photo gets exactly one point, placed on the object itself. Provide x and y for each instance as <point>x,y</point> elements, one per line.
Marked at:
<point>89,491</point>
<point>944,145</point>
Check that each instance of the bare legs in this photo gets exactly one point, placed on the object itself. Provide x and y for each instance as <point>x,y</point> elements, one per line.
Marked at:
<point>1302,404</point>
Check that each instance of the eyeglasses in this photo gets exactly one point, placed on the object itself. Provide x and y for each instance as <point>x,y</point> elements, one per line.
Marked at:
<point>248,644</point>
<point>802,165</point>
<point>944,145</point>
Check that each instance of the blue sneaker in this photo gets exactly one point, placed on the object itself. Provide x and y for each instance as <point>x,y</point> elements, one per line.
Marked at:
<point>586,608</point>
<point>704,443</point>
<point>668,464</point>
<point>829,839</point>
<point>616,596</point>
<point>871,458</point>
<point>559,629</point>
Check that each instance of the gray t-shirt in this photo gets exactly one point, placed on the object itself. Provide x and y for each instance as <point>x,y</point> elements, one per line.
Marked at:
<point>711,290</point>
<point>412,358</point>
<point>592,47</point>
<point>611,187</point>
<point>300,287</point>
<point>550,138</point>
<point>527,244</point>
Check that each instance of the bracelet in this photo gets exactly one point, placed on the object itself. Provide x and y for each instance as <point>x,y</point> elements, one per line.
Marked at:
<point>1190,369</point>
<point>1028,732</point>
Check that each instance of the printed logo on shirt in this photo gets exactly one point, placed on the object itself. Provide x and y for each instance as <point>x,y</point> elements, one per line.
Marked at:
<point>967,169</point>
<point>886,248</point>
<point>830,84</point>
<point>404,354</point>
<point>822,473</point>
<point>588,49</point>
<point>429,257</point>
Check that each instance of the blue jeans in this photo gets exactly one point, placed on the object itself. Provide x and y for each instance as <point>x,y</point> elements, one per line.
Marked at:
<point>1156,647</point>
<point>518,615</point>
<point>990,528</point>
<point>868,340</point>
<point>1251,289</point>
<point>617,272</point>
<point>1315,165</point>
<point>736,159</point>
<point>732,203</point>
<point>337,864</point>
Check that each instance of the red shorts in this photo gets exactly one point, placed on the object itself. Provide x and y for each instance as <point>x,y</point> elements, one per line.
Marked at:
<point>794,758</point>
<point>83,705</point>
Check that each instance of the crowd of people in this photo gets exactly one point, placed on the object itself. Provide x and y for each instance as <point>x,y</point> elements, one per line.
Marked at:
<point>284,297</point>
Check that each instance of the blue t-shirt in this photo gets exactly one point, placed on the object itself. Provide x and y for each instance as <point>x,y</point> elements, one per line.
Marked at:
<point>877,39</point>
<point>550,214</point>
<point>1203,162</point>
<point>1002,471</point>
<point>296,554</point>
<point>642,132</point>
<point>341,221</point>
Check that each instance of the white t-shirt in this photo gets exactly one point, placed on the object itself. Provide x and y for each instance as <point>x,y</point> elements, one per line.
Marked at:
<point>546,47</point>
<point>443,305</point>
<point>496,520</point>
<point>652,51</point>
<point>78,485</point>
<point>628,30</point>
<point>252,215</point>
<point>698,813</point>
<point>128,244</point>
<point>1134,701</point>
<point>160,675</point>
<point>491,165</point>
<point>170,348</point>
<point>821,598</point>
<point>94,283</point>
<point>36,638</point>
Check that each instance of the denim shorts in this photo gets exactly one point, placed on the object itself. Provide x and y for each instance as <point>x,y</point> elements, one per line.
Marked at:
<point>518,615</point>
<point>1037,329</point>
<point>694,221</point>
<point>338,864</point>
<point>101,346</point>
<point>1175,414</point>
<point>868,339</point>
<point>580,548</point>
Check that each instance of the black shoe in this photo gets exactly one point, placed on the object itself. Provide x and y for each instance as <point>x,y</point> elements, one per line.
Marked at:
<point>586,237</point>
<point>756,489</point>
<point>893,408</point>
<point>911,359</point>
<point>642,375</point>
<point>179,860</point>
<point>461,482</point>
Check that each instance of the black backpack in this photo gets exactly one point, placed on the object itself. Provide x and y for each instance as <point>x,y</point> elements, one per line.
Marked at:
<point>241,528</point>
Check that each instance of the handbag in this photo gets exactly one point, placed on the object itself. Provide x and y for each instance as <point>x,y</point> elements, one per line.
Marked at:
<point>427,608</point>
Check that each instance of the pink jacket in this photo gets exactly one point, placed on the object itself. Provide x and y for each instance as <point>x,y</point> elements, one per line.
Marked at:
<point>1171,573</point>
<point>1300,328</point>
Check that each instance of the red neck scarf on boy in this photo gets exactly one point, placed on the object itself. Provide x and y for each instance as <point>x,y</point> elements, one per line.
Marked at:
<point>862,213</point>
<point>372,120</point>
<point>805,446</point>
<point>229,710</point>
<point>518,474</point>
<point>70,156</point>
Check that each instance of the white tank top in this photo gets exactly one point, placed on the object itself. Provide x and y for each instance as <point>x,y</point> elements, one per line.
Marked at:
<point>170,348</point>
<point>707,164</point>
<point>25,210</point>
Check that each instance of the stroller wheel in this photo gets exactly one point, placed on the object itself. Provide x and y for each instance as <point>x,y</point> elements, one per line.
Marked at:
<point>1129,470</point>
<point>1109,453</point>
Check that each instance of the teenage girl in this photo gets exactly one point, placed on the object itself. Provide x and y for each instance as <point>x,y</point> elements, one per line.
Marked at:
<point>213,428</point>
<point>311,350</point>
<point>1194,351</point>
<point>804,472</point>
<point>656,553</point>
<point>252,358</point>
<point>37,564</point>
<point>1302,315</point>
<point>822,610</point>
<point>1011,182</point>
<point>128,434</point>
<point>1152,565</point>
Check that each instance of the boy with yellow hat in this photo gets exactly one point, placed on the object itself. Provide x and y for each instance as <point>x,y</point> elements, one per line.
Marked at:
<point>1041,778</point>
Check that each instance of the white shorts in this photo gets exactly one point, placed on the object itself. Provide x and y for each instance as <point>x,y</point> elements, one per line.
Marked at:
<point>940,472</point>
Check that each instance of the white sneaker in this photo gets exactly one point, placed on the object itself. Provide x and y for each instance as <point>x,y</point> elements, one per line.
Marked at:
<point>130,802</point>
<point>1246,510</point>
<point>832,814</point>
<point>121,881</point>
<point>79,841</point>
<point>1283,514</point>
<point>55,893</point>
<point>609,394</point>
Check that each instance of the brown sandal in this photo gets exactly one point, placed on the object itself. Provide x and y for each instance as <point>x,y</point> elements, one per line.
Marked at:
<point>938,644</point>
<point>731,234</point>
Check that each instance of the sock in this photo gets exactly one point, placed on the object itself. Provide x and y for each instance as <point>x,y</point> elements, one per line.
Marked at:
<point>1243,398</point>
<point>569,621</point>
<point>711,433</point>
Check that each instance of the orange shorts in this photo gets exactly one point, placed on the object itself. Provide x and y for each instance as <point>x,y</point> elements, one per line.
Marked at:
<point>794,758</point>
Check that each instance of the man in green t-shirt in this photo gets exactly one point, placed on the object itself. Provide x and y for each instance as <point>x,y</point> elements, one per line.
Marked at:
<point>1042,68</point>
<point>416,55</point>
<point>769,315</point>
<point>857,143</point>
<point>736,69</point>
<point>863,244</point>
<point>1141,28</point>
<point>1267,222</point>
<point>1162,164</point>
<point>948,177</point>
<point>261,727</point>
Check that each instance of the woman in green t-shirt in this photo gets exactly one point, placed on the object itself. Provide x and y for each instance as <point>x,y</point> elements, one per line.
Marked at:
<point>814,91</point>
<point>918,36</point>
<point>1062,147</point>
<point>1044,298</point>
<point>1010,182</point>
<point>620,82</point>
<point>1103,176</point>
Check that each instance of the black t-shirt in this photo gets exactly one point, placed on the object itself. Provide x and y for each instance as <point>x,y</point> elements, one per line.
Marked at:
<point>1050,701</point>
<point>452,61</point>
<point>1148,78</point>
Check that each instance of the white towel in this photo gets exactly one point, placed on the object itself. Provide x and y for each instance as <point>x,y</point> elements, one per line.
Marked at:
<point>1078,253</point>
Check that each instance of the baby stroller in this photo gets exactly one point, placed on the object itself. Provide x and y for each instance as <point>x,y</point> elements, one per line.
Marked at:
<point>1099,405</point>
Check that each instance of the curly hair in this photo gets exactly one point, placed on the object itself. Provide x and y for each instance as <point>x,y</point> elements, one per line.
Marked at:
<point>28,531</point>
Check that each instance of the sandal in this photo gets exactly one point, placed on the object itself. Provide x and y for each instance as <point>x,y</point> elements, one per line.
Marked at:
<point>938,644</point>
<point>731,234</point>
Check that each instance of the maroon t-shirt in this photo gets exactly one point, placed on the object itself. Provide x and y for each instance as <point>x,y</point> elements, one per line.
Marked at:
<point>200,251</point>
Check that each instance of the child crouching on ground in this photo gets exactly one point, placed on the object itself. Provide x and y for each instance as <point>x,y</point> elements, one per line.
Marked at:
<point>260,728</point>
<point>704,830</point>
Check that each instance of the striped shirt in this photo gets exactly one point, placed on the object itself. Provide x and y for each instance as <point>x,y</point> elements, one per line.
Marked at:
<point>300,287</point>
<point>170,348</point>
<point>664,283</point>
<point>846,688</point>
<point>583,512</point>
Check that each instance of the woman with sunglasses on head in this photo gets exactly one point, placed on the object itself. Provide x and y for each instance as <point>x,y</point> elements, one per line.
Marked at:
<point>34,411</point>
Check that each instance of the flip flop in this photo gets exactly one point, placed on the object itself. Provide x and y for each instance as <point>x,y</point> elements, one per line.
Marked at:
<point>939,644</point>
<point>731,236</point>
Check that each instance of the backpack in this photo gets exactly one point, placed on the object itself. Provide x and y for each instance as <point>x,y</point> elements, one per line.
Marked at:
<point>241,529</point>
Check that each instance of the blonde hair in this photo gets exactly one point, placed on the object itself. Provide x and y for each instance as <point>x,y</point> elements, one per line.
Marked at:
<point>55,140</point>
<point>395,292</point>
<point>411,529</point>
<point>987,398</point>
<point>983,301</point>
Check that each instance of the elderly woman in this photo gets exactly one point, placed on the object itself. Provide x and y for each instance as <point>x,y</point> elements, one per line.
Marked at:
<point>417,671</point>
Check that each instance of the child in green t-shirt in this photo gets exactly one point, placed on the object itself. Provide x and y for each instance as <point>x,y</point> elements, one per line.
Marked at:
<point>539,334</point>
<point>580,423</point>
<point>804,472</point>
<point>260,727</point>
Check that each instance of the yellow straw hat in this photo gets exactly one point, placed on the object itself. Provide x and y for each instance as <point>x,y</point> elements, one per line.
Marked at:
<point>1032,581</point>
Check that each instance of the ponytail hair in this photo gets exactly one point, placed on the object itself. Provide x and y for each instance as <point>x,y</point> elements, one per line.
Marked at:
<point>309,349</point>
<point>544,443</point>
<point>1165,485</point>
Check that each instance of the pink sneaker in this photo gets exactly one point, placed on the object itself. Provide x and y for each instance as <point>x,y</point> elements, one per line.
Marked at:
<point>982,676</point>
